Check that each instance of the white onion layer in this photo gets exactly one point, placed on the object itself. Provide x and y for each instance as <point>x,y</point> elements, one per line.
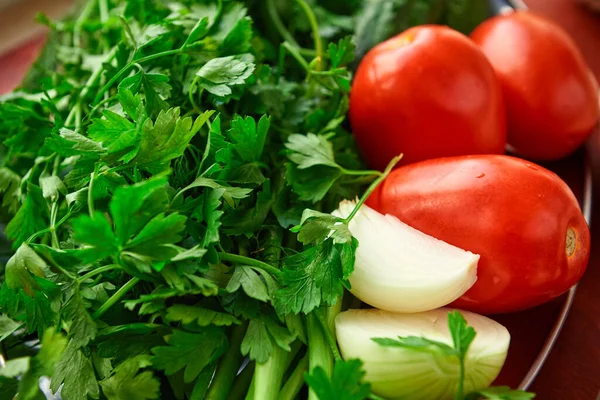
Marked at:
<point>399,268</point>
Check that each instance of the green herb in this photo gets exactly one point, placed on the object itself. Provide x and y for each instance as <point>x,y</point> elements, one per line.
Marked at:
<point>344,384</point>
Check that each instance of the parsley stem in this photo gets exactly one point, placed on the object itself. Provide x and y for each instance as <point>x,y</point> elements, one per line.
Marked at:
<point>191,94</point>
<point>241,386</point>
<point>128,67</point>
<point>78,117</point>
<point>237,259</point>
<point>322,318</point>
<point>461,378</point>
<point>268,376</point>
<point>56,165</point>
<point>295,382</point>
<point>85,14</point>
<point>312,20</point>
<point>319,353</point>
<point>96,108</point>
<point>98,271</point>
<point>90,196</point>
<point>285,34</point>
<point>372,187</point>
<point>46,230</point>
<point>53,216</point>
<point>103,6</point>
<point>86,88</point>
<point>361,172</point>
<point>292,50</point>
<point>228,366</point>
<point>115,297</point>
<point>115,169</point>
<point>64,271</point>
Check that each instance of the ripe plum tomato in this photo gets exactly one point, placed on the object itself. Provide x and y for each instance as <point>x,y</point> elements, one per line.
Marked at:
<point>550,93</point>
<point>522,219</point>
<point>426,93</point>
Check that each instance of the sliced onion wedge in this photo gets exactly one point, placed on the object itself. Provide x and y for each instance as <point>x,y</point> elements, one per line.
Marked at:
<point>403,373</point>
<point>399,268</point>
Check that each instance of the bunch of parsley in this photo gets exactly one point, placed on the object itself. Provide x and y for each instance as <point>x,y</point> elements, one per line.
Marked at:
<point>166,170</point>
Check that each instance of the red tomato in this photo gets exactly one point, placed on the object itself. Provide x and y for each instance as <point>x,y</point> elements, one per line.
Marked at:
<point>522,219</point>
<point>428,92</point>
<point>551,94</point>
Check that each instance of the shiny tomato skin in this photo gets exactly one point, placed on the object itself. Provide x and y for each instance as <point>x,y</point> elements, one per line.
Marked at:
<point>516,215</point>
<point>426,93</point>
<point>550,92</point>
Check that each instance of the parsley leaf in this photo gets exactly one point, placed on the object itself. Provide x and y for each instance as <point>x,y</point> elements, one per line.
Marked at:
<point>255,282</point>
<point>70,143</point>
<point>31,217</point>
<point>168,136</point>
<point>310,150</point>
<point>7,326</point>
<point>117,134</point>
<point>313,277</point>
<point>219,74</point>
<point>126,383</point>
<point>26,294</point>
<point>83,329</point>
<point>417,343</point>
<point>341,53</point>
<point>346,383</point>
<point>190,351</point>
<point>246,221</point>
<point>15,367</point>
<point>10,189</point>
<point>76,371</point>
<point>462,334</point>
<point>202,316</point>
<point>262,335</point>
<point>316,226</point>
<point>312,184</point>
<point>23,268</point>
<point>38,311</point>
<point>154,86</point>
<point>122,342</point>
<point>52,347</point>
<point>313,169</point>
<point>88,230</point>
<point>132,207</point>
<point>238,40</point>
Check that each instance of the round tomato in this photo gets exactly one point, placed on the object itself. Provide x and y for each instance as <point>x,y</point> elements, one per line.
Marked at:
<point>426,93</point>
<point>551,94</point>
<point>522,219</point>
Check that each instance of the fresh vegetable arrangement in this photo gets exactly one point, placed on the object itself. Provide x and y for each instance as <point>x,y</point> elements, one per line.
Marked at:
<point>190,216</point>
